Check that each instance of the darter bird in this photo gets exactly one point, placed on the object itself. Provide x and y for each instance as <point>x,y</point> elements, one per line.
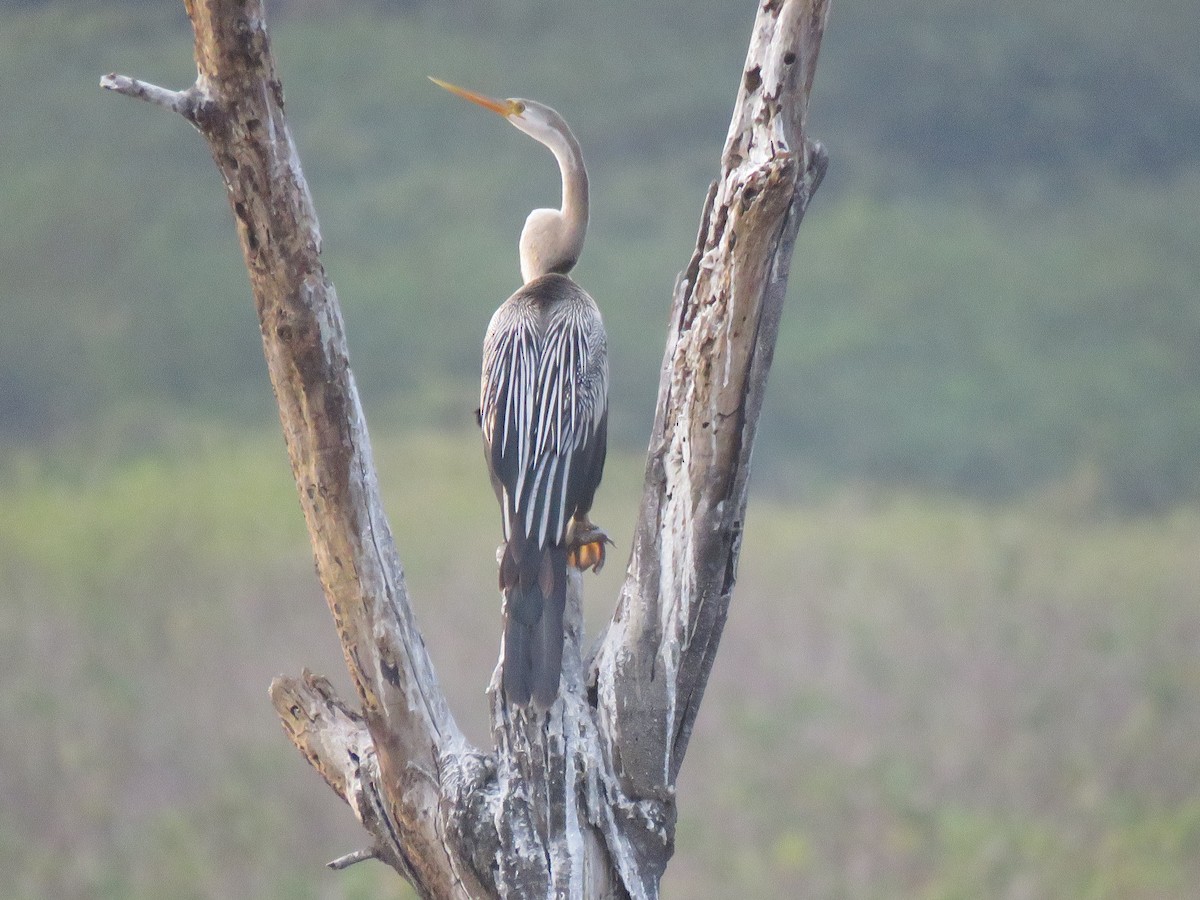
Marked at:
<point>543,410</point>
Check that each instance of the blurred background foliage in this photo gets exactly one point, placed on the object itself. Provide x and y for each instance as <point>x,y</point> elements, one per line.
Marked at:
<point>962,660</point>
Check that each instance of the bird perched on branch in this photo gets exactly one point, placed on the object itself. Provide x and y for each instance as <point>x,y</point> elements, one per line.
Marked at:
<point>544,413</point>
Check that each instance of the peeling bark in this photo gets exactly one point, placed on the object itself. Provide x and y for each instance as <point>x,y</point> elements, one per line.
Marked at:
<point>579,801</point>
<point>655,660</point>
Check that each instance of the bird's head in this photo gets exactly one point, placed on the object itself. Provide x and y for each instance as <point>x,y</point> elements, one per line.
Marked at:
<point>552,238</point>
<point>537,120</point>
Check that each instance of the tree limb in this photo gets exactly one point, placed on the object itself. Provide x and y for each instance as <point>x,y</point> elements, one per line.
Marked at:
<point>655,660</point>
<point>352,858</point>
<point>403,708</point>
<point>182,102</point>
<point>337,744</point>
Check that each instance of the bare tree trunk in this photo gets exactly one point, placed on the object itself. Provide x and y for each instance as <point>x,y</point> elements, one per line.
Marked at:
<point>580,801</point>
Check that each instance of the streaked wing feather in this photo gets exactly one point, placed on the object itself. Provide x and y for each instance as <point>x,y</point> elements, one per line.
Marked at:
<point>543,403</point>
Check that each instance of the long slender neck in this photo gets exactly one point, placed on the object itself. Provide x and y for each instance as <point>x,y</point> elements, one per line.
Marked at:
<point>553,239</point>
<point>574,188</point>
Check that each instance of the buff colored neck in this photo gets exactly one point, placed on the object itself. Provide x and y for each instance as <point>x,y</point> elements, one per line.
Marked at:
<point>552,239</point>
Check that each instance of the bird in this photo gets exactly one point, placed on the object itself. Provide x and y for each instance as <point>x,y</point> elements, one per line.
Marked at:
<point>543,411</point>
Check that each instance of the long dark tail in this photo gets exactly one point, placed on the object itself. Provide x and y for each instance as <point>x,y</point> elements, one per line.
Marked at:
<point>534,582</point>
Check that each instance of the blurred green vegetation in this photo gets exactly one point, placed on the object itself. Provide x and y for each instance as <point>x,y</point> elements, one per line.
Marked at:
<point>961,660</point>
<point>998,288</point>
<point>918,695</point>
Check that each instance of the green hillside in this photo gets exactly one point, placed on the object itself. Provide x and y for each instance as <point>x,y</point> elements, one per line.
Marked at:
<point>996,289</point>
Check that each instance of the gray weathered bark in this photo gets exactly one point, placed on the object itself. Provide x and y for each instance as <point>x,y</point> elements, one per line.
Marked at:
<point>578,802</point>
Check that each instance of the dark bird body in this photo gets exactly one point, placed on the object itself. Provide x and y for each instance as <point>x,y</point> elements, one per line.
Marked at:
<point>543,409</point>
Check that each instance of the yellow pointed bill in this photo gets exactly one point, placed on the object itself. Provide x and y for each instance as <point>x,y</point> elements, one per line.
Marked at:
<point>504,108</point>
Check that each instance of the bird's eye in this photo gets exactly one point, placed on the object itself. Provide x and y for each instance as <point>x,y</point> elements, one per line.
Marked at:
<point>519,107</point>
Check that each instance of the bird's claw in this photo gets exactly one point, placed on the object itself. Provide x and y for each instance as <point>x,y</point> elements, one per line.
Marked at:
<point>587,548</point>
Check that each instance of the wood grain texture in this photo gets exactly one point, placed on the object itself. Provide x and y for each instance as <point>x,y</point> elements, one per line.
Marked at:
<point>657,655</point>
<point>237,103</point>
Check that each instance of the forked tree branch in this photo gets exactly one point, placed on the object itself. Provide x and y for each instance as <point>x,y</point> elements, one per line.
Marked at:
<point>578,802</point>
<point>655,661</point>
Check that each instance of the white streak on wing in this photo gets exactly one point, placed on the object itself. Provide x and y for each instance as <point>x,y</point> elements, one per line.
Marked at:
<point>546,398</point>
<point>550,420</point>
<point>560,526</point>
<point>504,379</point>
<point>531,506</point>
<point>562,392</point>
<point>521,395</point>
<point>548,502</point>
<point>574,369</point>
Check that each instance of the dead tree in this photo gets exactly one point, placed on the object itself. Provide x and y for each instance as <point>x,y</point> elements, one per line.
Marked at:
<point>578,802</point>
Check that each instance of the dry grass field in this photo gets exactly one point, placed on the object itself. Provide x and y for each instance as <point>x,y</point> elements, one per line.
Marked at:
<point>916,696</point>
